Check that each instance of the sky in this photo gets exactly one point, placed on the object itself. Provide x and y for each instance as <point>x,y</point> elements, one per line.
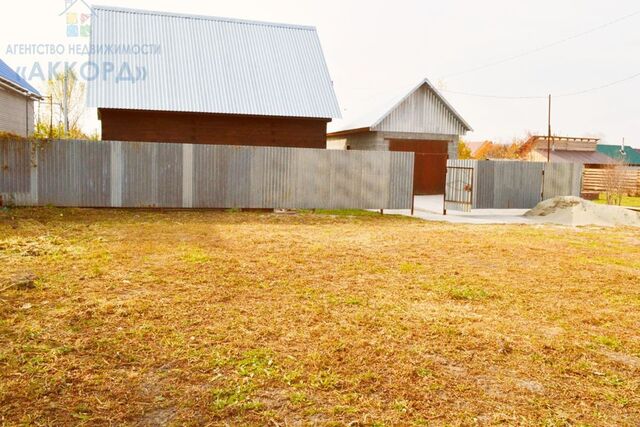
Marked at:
<point>376,49</point>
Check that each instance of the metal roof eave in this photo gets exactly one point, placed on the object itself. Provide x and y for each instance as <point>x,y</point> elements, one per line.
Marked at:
<point>348,131</point>
<point>17,88</point>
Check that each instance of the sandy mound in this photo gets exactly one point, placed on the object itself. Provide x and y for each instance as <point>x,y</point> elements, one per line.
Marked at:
<point>574,211</point>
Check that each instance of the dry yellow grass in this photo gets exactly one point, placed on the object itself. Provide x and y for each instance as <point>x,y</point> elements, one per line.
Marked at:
<point>213,318</point>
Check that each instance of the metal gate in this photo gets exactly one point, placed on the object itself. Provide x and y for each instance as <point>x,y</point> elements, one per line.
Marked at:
<point>508,184</point>
<point>458,193</point>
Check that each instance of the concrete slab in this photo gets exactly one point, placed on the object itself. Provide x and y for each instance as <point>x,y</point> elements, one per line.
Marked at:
<point>430,208</point>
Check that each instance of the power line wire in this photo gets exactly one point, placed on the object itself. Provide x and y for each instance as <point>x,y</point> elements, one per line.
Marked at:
<point>561,95</point>
<point>580,92</point>
<point>540,48</point>
<point>482,95</point>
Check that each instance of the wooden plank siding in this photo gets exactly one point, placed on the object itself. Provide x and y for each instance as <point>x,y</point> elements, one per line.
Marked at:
<point>220,129</point>
<point>594,180</point>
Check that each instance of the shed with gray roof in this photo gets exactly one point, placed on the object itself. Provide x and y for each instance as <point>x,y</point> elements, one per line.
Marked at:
<point>420,121</point>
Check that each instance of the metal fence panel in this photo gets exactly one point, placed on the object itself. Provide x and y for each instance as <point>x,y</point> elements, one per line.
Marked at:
<point>73,173</point>
<point>400,179</point>
<point>514,184</point>
<point>132,174</point>
<point>517,185</point>
<point>15,165</point>
<point>485,185</point>
<point>562,179</point>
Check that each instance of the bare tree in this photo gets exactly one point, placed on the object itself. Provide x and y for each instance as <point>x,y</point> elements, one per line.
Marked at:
<point>616,179</point>
<point>75,103</point>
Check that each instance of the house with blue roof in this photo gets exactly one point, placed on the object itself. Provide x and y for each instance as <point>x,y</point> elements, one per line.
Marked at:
<point>17,99</point>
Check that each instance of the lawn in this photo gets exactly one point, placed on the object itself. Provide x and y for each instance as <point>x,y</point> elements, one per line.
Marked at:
<point>626,200</point>
<point>233,318</point>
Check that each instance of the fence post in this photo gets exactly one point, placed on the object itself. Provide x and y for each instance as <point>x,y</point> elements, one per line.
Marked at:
<point>33,177</point>
<point>444,196</point>
<point>117,163</point>
<point>544,166</point>
<point>444,203</point>
<point>413,198</point>
<point>187,176</point>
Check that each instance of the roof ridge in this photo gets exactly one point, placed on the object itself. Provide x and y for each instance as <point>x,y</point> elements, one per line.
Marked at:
<point>203,17</point>
<point>423,82</point>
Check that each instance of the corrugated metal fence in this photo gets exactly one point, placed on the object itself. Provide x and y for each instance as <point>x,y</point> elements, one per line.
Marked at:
<point>130,174</point>
<point>510,184</point>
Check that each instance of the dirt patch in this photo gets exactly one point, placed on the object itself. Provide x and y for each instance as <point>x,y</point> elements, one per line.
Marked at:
<point>21,282</point>
<point>624,359</point>
<point>531,386</point>
<point>574,211</point>
<point>157,417</point>
<point>553,332</point>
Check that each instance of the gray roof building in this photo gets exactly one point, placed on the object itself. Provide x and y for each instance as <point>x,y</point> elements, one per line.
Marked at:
<point>208,64</point>
<point>419,120</point>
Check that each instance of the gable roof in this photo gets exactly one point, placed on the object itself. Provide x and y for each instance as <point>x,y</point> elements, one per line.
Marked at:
<point>13,79</point>
<point>631,155</point>
<point>210,65</point>
<point>376,117</point>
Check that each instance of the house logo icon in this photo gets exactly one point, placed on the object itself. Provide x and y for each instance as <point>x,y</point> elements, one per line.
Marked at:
<point>78,17</point>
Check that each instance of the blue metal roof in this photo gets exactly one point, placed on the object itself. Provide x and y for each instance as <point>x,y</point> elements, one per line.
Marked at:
<point>6,73</point>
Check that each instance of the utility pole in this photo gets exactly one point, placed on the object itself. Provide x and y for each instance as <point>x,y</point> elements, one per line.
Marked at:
<point>65,101</point>
<point>549,132</point>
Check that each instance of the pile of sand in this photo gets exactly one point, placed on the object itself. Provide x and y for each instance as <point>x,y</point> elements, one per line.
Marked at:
<point>568,210</point>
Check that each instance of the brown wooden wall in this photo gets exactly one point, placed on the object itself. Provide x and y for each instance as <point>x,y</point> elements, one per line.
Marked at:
<point>202,128</point>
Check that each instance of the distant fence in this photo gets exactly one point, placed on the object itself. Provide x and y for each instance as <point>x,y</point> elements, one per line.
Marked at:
<point>508,184</point>
<point>167,175</point>
<point>600,178</point>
